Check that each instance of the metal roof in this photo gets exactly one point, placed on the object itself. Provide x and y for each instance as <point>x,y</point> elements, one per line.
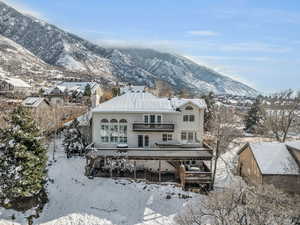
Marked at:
<point>145,102</point>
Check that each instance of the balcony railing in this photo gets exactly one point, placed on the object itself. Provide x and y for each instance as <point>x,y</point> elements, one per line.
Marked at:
<point>158,127</point>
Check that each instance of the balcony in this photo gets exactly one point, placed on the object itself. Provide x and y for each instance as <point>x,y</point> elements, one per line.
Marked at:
<point>153,127</point>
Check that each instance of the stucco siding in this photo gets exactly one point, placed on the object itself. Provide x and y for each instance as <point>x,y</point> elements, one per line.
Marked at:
<point>154,137</point>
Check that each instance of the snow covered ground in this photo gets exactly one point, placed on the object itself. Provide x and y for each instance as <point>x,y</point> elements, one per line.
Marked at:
<point>74,199</point>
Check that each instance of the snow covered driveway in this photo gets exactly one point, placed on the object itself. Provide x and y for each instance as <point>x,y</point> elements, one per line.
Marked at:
<point>76,200</point>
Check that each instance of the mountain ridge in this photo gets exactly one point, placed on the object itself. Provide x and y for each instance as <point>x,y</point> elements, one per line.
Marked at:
<point>135,65</point>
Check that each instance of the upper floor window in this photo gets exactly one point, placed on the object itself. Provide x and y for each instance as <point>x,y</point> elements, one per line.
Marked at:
<point>152,118</point>
<point>188,118</point>
<point>189,108</point>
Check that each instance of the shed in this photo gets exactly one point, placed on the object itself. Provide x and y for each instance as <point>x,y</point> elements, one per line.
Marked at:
<point>271,163</point>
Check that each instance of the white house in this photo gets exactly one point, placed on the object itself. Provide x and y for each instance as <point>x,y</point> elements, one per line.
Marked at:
<point>142,120</point>
<point>158,133</point>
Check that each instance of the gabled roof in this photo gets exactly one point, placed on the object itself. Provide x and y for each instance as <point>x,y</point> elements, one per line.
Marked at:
<point>144,102</point>
<point>33,102</point>
<point>178,102</point>
<point>294,144</point>
<point>17,82</point>
<point>274,158</point>
<point>135,102</point>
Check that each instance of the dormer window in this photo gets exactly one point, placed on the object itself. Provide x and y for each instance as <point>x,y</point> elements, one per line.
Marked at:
<point>190,108</point>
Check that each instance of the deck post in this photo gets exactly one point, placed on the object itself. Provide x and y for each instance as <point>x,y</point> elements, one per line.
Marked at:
<point>134,169</point>
<point>211,172</point>
<point>159,171</point>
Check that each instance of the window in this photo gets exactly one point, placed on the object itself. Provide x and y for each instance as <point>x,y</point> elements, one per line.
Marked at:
<point>167,137</point>
<point>191,118</point>
<point>104,132</point>
<point>183,136</point>
<point>146,118</point>
<point>114,131</point>
<point>146,141</point>
<point>185,118</point>
<point>188,118</point>
<point>123,131</point>
<point>188,136</point>
<point>152,118</point>
<point>158,119</point>
<point>189,108</point>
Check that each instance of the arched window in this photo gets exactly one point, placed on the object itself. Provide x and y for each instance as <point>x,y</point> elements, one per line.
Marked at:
<point>113,121</point>
<point>189,108</point>
<point>104,121</point>
<point>123,131</point>
<point>123,121</point>
<point>104,132</point>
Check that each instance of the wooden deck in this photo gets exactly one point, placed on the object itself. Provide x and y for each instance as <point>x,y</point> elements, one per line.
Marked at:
<point>174,156</point>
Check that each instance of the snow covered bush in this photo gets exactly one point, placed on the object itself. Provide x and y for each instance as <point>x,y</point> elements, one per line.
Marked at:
<point>22,158</point>
<point>263,205</point>
<point>73,140</point>
<point>119,163</point>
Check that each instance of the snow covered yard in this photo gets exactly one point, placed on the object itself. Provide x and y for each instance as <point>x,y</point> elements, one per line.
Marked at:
<point>75,199</point>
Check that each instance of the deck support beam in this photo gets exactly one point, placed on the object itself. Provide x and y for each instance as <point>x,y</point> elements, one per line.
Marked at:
<point>159,171</point>
<point>134,169</point>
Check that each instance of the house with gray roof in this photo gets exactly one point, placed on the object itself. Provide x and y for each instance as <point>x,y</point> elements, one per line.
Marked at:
<point>271,163</point>
<point>159,134</point>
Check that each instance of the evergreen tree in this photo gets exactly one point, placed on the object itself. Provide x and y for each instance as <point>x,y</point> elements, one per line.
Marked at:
<point>23,158</point>
<point>74,142</point>
<point>87,91</point>
<point>254,118</point>
<point>209,114</point>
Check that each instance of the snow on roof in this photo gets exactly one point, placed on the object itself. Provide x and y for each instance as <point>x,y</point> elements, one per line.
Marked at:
<point>17,82</point>
<point>178,102</point>
<point>32,101</point>
<point>274,158</point>
<point>132,88</point>
<point>135,102</point>
<point>77,85</point>
<point>144,102</point>
<point>294,144</point>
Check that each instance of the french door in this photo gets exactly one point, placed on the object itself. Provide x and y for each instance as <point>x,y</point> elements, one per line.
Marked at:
<point>143,141</point>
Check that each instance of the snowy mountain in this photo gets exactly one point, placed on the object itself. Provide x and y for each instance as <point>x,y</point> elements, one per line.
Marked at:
<point>17,61</point>
<point>139,66</point>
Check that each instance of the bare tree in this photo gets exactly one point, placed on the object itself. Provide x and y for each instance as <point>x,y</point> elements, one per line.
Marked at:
<point>281,115</point>
<point>224,129</point>
<point>263,205</point>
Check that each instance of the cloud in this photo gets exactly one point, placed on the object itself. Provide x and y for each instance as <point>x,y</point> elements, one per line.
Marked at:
<point>22,8</point>
<point>202,33</point>
<point>226,70</point>
<point>264,15</point>
<point>199,45</point>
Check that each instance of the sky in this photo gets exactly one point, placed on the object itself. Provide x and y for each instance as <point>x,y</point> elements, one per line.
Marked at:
<point>254,41</point>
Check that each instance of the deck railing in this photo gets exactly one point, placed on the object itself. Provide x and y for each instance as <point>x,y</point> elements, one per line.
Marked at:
<point>159,127</point>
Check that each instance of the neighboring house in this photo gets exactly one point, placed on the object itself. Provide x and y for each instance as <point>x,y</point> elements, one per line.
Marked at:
<point>14,85</point>
<point>132,88</point>
<point>271,163</point>
<point>158,134</point>
<point>41,111</point>
<point>76,90</point>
